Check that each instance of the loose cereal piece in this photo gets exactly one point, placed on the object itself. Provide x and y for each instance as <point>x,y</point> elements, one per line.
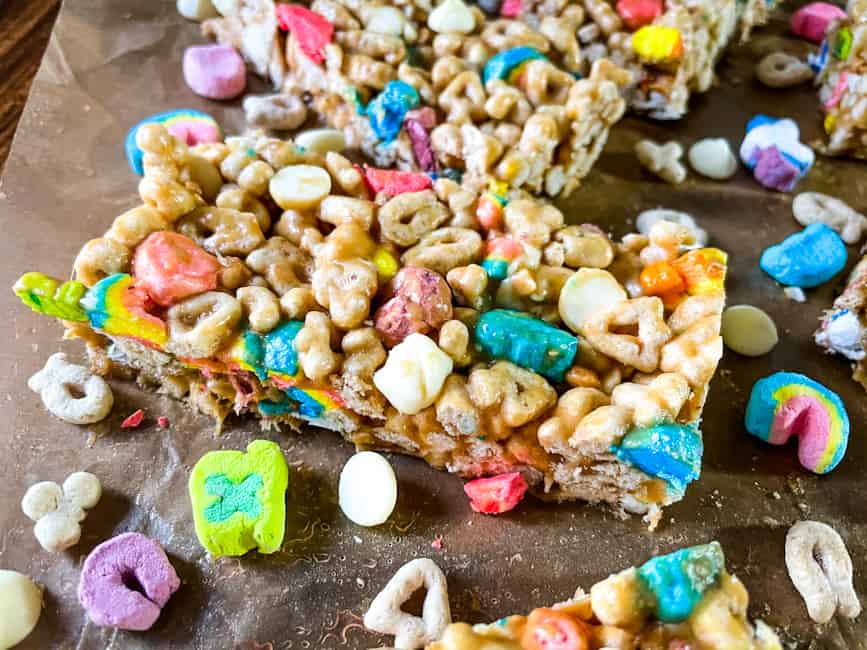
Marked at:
<point>663,160</point>
<point>367,491</point>
<point>238,499</point>
<point>214,71</point>
<point>21,604</point>
<point>281,111</point>
<point>806,259</point>
<point>103,590</point>
<point>585,293</point>
<point>55,384</point>
<point>781,70</point>
<point>58,511</point>
<point>813,207</point>
<point>812,21</point>
<point>821,570</point>
<point>713,157</point>
<point>411,632</point>
<point>788,404</point>
<point>413,374</point>
<point>496,494</point>
<point>748,330</point>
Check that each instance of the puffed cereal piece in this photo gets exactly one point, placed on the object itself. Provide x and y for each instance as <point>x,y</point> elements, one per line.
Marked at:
<point>413,374</point>
<point>521,395</point>
<point>100,258</point>
<point>282,112</point>
<point>200,325</point>
<point>55,384</point>
<point>313,345</point>
<point>260,306</point>
<point>814,207</point>
<point>662,159</point>
<point>642,350</point>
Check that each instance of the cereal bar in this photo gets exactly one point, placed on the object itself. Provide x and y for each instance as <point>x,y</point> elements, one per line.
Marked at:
<point>685,599</point>
<point>478,331</point>
<point>524,92</point>
<point>841,65</point>
<point>843,329</point>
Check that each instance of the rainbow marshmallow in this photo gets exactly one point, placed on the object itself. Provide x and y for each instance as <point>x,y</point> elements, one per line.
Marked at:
<point>786,404</point>
<point>115,306</point>
<point>188,125</point>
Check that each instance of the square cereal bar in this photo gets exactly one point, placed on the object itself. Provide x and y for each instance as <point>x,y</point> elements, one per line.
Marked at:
<point>842,74</point>
<point>643,607</point>
<point>477,331</point>
<point>525,93</point>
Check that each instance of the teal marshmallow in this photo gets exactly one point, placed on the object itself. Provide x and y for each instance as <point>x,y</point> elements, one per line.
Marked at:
<point>232,497</point>
<point>676,582</point>
<point>501,65</point>
<point>280,354</point>
<point>496,269</point>
<point>527,342</point>
<point>669,451</point>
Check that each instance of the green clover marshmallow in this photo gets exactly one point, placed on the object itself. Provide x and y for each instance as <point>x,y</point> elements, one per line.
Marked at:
<point>239,499</point>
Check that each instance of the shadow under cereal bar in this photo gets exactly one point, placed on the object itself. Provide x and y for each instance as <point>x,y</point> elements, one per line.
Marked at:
<point>257,277</point>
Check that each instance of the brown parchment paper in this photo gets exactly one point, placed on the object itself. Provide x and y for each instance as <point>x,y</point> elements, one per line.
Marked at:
<point>112,62</point>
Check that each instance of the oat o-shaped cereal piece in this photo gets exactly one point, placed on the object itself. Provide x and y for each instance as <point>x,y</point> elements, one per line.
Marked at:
<point>58,511</point>
<point>660,400</point>
<point>814,207</point>
<point>410,632</point>
<point>641,350</point>
<point>821,570</point>
<point>55,382</point>
<point>662,159</point>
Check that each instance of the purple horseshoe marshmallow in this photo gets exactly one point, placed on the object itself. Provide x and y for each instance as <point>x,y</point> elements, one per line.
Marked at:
<point>112,574</point>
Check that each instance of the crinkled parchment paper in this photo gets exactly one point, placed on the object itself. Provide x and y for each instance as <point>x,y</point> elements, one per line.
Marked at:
<point>109,64</point>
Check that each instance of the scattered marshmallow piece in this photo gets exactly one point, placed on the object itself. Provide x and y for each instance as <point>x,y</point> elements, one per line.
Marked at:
<point>367,492</point>
<point>795,293</point>
<point>58,511</point>
<point>748,330</point>
<point>197,10</point>
<point>54,383</point>
<point>413,374</point>
<point>214,71</point>
<point>644,222</point>
<point>662,159</point>
<point>814,207</point>
<point>713,157</point>
<point>21,604</point>
<point>773,151</point>
<point>452,17</point>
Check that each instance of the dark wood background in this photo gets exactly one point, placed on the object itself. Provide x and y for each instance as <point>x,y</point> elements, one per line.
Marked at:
<point>25,26</point>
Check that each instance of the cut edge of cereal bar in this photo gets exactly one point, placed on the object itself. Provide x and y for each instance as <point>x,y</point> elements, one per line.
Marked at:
<point>684,599</point>
<point>843,329</point>
<point>841,65</point>
<point>478,332</point>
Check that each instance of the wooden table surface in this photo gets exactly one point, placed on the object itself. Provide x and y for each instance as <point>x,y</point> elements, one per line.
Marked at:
<point>25,26</point>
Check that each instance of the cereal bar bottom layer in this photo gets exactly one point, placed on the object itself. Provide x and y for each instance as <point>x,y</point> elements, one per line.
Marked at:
<point>685,599</point>
<point>843,330</point>
<point>477,331</point>
<point>526,93</point>
<point>841,65</point>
